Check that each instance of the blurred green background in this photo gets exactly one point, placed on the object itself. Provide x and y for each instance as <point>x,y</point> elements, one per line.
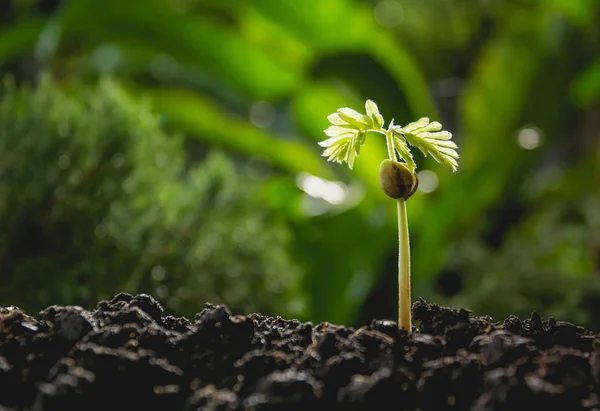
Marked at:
<point>169,147</point>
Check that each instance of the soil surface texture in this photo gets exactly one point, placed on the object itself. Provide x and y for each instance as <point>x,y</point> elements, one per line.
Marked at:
<point>127,355</point>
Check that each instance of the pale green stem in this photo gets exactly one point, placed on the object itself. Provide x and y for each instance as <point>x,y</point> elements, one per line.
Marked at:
<point>390,146</point>
<point>403,253</point>
<point>403,268</point>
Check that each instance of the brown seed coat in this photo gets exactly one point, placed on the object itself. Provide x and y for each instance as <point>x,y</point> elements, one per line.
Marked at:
<point>396,180</point>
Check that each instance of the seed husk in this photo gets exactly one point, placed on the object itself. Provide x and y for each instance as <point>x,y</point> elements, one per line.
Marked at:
<point>397,180</point>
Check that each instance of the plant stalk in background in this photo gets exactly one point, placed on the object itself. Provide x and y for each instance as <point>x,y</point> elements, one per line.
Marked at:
<point>398,179</point>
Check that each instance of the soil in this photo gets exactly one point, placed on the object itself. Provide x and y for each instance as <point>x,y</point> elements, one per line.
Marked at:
<point>127,355</point>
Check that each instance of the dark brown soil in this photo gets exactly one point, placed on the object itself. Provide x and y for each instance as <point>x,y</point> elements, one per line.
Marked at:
<point>126,355</point>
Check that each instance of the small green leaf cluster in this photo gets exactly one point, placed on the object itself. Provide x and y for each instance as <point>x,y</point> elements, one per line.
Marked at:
<point>348,132</point>
<point>349,129</point>
<point>430,139</point>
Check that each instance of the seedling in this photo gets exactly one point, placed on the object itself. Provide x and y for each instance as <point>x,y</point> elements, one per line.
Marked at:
<point>398,179</point>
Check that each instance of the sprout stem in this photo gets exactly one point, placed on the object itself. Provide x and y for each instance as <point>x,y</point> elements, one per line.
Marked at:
<point>389,140</point>
<point>403,267</point>
<point>403,252</point>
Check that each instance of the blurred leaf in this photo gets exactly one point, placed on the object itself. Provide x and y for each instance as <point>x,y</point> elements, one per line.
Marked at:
<point>275,40</point>
<point>195,40</point>
<point>18,38</point>
<point>586,87</point>
<point>192,113</point>
<point>581,12</point>
<point>328,25</point>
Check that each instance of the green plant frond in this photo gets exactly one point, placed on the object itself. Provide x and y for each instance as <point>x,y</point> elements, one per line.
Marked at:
<point>353,118</point>
<point>373,113</point>
<point>403,151</point>
<point>431,139</point>
<point>348,132</point>
<point>343,147</point>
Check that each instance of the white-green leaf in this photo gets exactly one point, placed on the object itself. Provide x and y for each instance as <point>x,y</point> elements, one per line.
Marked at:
<point>403,150</point>
<point>431,139</point>
<point>373,113</point>
<point>353,117</point>
<point>333,131</point>
<point>343,145</point>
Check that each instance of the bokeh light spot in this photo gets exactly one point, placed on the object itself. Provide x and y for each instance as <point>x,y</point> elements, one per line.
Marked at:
<point>106,58</point>
<point>529,138</point>
<point>117,160</point>
<point>158,273</point>
<point>428,181</point>
<point>162,291</point>
<point>389,13</point>
<point>100,231</point>
<point>240,234</point>
<point>64,161</point>
<point>262,114</point>
<point>334,192</point>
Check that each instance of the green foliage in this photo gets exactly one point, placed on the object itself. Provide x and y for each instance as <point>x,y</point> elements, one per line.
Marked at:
<point>95,199</point>
<point>546,264</point>
<point>487,69</point>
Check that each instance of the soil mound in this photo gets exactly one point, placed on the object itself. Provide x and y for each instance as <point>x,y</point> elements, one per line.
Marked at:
<point>127,355</point>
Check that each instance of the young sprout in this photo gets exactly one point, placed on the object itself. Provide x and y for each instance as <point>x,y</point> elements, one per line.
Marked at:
<point>397,175</point>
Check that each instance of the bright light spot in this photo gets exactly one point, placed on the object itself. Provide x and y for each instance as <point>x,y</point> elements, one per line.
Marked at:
<point>158,273</point>
<point>389,13</point>
<point>529,138</point>
<point>262,114</point>
<point>334,192</point>
<point>428,181</point>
